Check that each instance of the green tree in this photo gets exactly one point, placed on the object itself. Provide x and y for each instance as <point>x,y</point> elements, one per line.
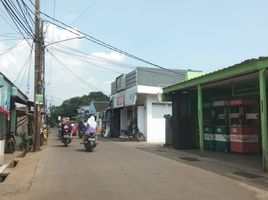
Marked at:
<point>69,107</point>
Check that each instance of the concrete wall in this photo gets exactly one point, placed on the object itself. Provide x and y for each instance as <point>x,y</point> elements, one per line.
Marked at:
<point>158,130</point>
<point>155,129</point>
<point>2,150</point>
<point>141,119</point>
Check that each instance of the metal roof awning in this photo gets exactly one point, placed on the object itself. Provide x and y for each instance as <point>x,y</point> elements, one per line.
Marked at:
<point>243,68</point>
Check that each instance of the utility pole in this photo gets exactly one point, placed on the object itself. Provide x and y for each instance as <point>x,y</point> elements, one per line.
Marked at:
<point>37,77</point>
<point>43,72</point>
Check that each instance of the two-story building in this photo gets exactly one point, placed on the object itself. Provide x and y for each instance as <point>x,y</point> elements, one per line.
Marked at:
<point>136,100</point>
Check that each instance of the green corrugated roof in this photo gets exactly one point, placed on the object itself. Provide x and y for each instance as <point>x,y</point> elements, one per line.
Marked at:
<point>232,71</point>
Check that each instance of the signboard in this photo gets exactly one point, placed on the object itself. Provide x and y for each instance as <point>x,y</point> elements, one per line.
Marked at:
<point>39,98</point>
<point>125,98</point>
<point>131,97</point>
<point>120,100</point>
<point>5,98</point>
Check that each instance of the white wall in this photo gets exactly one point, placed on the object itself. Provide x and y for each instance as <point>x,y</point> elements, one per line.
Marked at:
<point>158,111</point>
<point>2,150</point>
<point>141,119</point>
<point>155,120</point>
<point>148,121</point>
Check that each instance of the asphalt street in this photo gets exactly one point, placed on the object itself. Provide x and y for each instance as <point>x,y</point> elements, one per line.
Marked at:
<point>116,171</point>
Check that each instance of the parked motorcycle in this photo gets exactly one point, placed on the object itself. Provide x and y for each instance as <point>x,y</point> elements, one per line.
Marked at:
<point>67,135</point>
<point>131,135</point>
<point>41,137</point>
<point>10,142</point>
<point>90,142</point>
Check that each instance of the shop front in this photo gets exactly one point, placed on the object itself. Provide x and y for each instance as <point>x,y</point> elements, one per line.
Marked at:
<point>9,96</point>
<point>224,111</point>
<point>139,107</point>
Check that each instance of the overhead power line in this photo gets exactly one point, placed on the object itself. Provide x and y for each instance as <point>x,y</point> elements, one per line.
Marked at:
<point>9,49</point>
<point>21,17</point>
<point>101,43</point>
<point>73,74</point>
<point>28,60</point>
<point>94,40</point>
<point>92,59</point>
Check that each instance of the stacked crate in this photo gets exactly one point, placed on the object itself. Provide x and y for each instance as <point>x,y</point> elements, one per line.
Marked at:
<point>209,138</point>
<point>244,131</point>
<point>220,125</point>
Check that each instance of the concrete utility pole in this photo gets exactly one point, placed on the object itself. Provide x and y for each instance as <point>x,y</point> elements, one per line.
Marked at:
<point>37,77</point>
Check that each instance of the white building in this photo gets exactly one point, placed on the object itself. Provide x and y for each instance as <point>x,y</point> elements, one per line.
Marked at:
<point>136,101</point>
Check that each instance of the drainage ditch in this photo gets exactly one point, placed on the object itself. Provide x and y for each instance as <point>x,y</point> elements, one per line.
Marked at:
<point>247,175</point>
<point>3,177</point>
<point>13,164</point>
<point>190,159</point>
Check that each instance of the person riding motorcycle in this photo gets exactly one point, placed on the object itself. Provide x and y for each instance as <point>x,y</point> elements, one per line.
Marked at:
<point>90,127</point>
<point>65,125</point>
<point>81,129</point>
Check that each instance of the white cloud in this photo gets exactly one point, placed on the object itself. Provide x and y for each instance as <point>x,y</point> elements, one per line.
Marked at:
<point>12,61</point>
<point>112,56</point>
<point>54,35</point>
<point>66,78</point>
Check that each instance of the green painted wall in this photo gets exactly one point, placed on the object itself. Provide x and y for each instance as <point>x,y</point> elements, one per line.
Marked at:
<point>1,126</point>
<point>13,120</point>
<point>191,75</point>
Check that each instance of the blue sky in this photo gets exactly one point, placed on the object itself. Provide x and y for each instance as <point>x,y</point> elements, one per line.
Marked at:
<point>187,34</point>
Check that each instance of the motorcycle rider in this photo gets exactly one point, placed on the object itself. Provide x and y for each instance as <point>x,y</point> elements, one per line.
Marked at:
<point>65,125</point>
<point>81,128</point>
<point>90,127</point>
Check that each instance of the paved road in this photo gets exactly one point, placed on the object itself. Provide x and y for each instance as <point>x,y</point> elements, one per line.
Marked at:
<point>120,171</point>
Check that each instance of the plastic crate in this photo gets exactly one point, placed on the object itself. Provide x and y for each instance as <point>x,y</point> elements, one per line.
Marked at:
<point>242,102</point>
<point>221,130</point>
<point>244,130</point>
<point>222,142</point>
<point>209,141</point>
<point>220,103</point>
<point>222,146</point>
<point>244,143</point>
<point>207,130</point>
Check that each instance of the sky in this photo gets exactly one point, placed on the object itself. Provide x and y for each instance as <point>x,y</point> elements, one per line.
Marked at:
<point>202,35</point>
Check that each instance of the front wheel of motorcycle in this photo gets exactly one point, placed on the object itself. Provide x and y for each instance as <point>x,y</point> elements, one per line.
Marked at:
<point>89,148</point>
<point>65,143</point>
<point>140,137</point>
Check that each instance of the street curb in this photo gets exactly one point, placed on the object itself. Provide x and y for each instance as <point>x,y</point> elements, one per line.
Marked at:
<point>3,167</point>
<point>6,165</point>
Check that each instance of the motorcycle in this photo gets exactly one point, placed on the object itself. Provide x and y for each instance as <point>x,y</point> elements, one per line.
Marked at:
<point>11,143</point>
<point>81,133</point>
<point>41,137</point>
<point>66,137</point>
<point>132,135</point>
<point>90,142</point>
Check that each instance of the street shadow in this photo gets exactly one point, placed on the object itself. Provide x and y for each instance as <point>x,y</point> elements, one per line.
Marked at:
<point>84,151</point>
<point>57,145</point>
